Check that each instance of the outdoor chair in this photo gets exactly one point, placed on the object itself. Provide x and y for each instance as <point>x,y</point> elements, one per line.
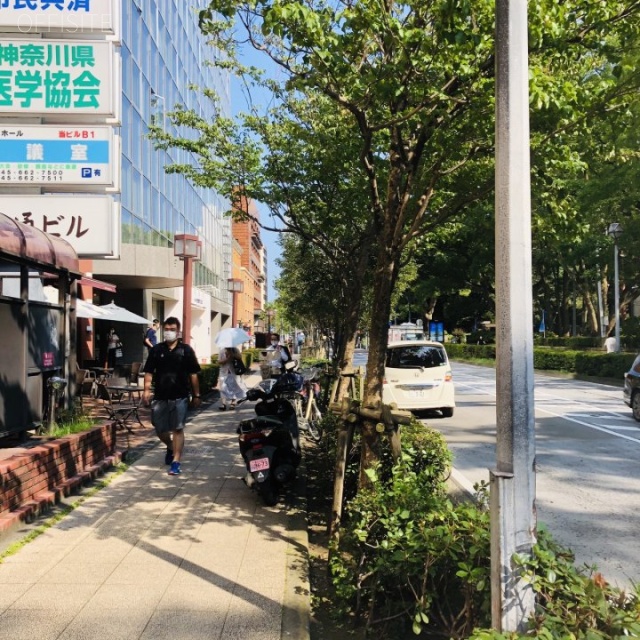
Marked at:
<point>135,372</point>
<point>84,385</point>
<point>122,413</point>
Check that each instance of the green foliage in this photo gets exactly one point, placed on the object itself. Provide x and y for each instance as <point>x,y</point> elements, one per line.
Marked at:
<point>571,602</point>
<point>410,560</point>
<point>68,422</point>
<point>255,353</point>
<point>570,342</point>
<point>407,553</point>
<point>547,359</point>
<point>470,351</point>
<point>586,363</point>
<point>603,365</point>
<point>630,332</point>
<point>208,376</point>
<point>247,358</point>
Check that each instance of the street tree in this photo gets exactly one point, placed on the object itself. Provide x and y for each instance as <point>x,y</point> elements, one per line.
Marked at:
<point>301,161</point>
<point>414,83</point>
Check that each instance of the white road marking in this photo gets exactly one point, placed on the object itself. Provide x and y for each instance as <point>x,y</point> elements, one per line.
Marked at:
<point>543,400</point>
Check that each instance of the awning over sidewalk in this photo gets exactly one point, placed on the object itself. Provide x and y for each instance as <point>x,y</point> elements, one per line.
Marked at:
<point>22,242</point>
<point>97,284</point>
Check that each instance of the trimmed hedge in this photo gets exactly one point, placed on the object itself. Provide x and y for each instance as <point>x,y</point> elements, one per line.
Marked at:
<point>587,363</point>
<point>208,377</point>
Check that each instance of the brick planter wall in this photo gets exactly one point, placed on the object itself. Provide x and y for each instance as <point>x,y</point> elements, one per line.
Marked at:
<point>33,481</point>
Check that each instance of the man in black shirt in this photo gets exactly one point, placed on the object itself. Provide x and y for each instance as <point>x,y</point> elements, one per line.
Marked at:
<point>173,368</point>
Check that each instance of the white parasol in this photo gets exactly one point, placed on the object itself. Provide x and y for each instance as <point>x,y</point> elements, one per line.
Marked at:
<point>86,309</point>
<point>232,337</point>
<point>114,313</point>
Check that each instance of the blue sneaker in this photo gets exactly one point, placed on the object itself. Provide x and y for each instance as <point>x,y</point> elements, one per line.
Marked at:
<point>174,470</point>
<point>168,457</point>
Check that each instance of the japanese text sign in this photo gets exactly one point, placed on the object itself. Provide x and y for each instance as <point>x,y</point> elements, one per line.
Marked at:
<point>90,224</point>
<point>71,16</point>
<point>57,76</point>
<point>55,155</point>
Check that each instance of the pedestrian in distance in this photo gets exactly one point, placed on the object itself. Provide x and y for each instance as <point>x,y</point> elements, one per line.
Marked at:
<point>151,335</point>
<point>113,345</point>
<point>232,388</point>
<point>300,338</point>
<point>610,344</point>
<point>277,354</point>
<point>173,368</point>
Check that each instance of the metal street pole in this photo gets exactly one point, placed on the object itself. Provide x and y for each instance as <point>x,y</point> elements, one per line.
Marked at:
<point>616,293</point>
<point>186,300</point>
<point>615,231</point>
<point>188,248</point>
<point>513,521</point>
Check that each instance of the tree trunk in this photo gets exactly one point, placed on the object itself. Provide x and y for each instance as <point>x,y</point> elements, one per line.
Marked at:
<point>386,274</point>
<point>592,319</point>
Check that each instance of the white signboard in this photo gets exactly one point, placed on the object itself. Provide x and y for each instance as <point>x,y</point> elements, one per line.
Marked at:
<point>62,77</point>
<point>71,16</point>
<point>56,155</point>
<point>90,224</point>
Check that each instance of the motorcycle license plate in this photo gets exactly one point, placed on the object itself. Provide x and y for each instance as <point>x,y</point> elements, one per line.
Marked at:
<point>258,464</point>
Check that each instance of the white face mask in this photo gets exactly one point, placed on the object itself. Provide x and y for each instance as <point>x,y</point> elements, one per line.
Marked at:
<point>274,343</point>
<point>170,336</point>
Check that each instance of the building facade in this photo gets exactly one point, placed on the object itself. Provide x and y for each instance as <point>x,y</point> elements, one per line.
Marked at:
<point>162,53</point>
<point>250,268</point>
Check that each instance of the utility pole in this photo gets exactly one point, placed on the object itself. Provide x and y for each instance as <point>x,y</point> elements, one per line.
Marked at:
<point>513,520</point>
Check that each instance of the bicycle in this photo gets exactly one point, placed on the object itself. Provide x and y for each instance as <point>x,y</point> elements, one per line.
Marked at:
<point>305,402</point>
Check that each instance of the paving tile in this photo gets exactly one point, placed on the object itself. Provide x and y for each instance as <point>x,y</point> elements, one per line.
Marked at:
<point>47,597</point>
<point>142,574</point>
<point>23,572</point>
<point>9,595</point>
<point>126,597</point>
<point>111,550</point>
<point>198,594</point>
<point>106,624</point>
<point>18,624</point>
<point>78,573</point>
<point>190,624</point>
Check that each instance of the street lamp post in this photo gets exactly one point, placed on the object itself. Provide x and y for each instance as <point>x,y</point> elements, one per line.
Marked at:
<point>235,286</point>
<point>188,248</point>
<point>615,231</point>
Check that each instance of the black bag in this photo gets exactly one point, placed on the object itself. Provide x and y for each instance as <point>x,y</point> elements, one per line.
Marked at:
<point>238,367</point>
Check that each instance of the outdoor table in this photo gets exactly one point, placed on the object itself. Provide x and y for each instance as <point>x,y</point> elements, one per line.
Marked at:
<point>125,388</point>
<point>102,374</point>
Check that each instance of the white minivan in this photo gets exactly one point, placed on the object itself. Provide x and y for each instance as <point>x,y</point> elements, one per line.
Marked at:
<point>417,376</point>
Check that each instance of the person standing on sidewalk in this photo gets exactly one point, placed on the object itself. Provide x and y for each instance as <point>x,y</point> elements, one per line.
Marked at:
<point>232,389</point>
<point>173,368</point>
<point>151,335</point>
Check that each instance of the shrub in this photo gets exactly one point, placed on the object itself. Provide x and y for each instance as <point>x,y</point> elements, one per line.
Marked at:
<point>569,342</point>
<point>256,354</point>
<point>208,376</point>
<point>409,559</point>
<point>604,365</point>
<point>247,358</point>
<point>407,553</point>
<point>570,602</point>
<point>587,363</point>
<point>547,359</point>
<point>472,351</point>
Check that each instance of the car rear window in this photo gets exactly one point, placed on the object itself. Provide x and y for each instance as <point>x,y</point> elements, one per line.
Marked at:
<point>408,357</point>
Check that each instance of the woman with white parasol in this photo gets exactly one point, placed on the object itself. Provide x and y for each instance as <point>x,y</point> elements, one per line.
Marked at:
<point>232,388</point>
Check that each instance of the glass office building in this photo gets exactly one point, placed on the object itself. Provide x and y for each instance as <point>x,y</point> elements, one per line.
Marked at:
<point>163,53</point>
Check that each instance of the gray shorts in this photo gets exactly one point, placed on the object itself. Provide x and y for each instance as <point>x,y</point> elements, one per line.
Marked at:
<point>169,415</point>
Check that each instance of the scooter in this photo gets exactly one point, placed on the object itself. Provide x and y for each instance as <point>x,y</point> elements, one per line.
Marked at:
<point>269,443</point>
